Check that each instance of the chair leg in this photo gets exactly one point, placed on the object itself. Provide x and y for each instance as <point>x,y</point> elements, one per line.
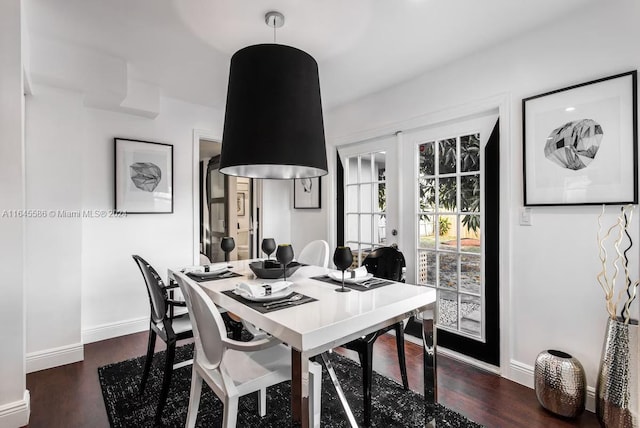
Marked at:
<point>366,361</point>
<point>166,381</point>
<point>230,412</point>
<point>315,394</point>
<point>194,398</point>
<point>148,359</point>
<point>401,358</point>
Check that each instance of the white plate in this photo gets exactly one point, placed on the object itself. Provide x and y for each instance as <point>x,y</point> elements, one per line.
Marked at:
<point>211,274</point>
<point>274,296</point>
<point>337,276</point>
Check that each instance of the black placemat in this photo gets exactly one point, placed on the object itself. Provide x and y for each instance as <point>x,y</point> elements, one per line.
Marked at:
<point>357,287</point>
<point>258,306</point>
<point>223,275</point>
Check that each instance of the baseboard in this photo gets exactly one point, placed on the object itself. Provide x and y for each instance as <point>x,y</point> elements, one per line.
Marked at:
<point>16,414</point>
<point>523,374</point>
<point>111,330</point>
<point>54,357</point>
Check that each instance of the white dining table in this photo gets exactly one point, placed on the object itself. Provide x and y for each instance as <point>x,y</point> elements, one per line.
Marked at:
<point>333,319</point>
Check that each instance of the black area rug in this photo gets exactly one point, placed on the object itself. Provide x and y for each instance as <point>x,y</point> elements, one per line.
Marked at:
<point>392,405</point>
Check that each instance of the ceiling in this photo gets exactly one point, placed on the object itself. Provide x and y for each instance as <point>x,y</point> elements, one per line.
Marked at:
<point>362,46</point>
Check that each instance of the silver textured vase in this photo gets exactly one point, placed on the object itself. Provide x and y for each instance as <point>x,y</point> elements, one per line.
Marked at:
<point>617,386</point>
<point>560,383</point>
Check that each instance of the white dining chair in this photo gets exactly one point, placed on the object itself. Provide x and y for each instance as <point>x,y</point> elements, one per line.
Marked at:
<point>232,368</point>
<point>315,253</point>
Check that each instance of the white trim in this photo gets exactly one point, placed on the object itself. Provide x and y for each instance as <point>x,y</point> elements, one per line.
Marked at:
<point>523,374</point>
<point>198,134</point>
<point>116,329</point>
<point>16,414</point>
<point>54,357</point>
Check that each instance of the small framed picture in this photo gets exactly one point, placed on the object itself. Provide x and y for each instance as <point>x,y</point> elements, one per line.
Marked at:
<point>240,202</point>
<point>581,144</point>
<point>306,193</point>
<point>143,177</point>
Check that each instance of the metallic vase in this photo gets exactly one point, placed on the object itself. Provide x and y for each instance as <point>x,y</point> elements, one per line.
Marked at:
<point>617,387</point>
<point>560,383</point>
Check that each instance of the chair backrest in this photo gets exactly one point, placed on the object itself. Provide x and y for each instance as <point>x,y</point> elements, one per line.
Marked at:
<point>315,253</point>
<point>204,260</point>
<point>385,262</point>
<point>155,290</point>
<point>208,326</point>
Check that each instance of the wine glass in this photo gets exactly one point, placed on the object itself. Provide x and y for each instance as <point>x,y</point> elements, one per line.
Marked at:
<point>227,245</point>
<point>343,258</point>
<point>284,254</point>
<point>268,246</point>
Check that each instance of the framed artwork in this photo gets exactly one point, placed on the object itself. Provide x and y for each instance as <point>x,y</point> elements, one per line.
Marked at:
<point>240,201</point>
<point>580,144</point>
<point>143,177</point>
<point>306,193</point>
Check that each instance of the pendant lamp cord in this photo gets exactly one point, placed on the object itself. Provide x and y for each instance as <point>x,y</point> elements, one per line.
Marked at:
<point>274,31</point>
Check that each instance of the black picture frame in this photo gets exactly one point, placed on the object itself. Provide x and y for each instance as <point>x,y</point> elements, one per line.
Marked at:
<point>580,144</point>
<point>307,192</point>
<point>143,177</point>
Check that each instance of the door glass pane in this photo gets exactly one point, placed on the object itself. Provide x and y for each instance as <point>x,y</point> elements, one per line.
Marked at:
<point>380,229</point>
<point>365,229</point>
<point>471,314</point>
<point>380,166</point>
<point>217,184</point>
<point>470,237</point>
<point>470,273</point>
<point>351,203</point>
<point>366,168</point>
<point>448,270</point>
<point>447,190</point>
<point>427,231</point>
<point>366,198</point>
<point>470,193</point>
<point>448,309</point>
<point>448,232</point>
<point>470,153</point>
<point>427,198</point>
<point>381,197</point>
<point>351,234</point>
<point>426,159</point>
<point>448,157</point>
<point>427,268</point>
<point>351,170</point>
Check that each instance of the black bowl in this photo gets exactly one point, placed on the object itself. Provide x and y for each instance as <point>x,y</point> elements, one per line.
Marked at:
<point>272,272</point>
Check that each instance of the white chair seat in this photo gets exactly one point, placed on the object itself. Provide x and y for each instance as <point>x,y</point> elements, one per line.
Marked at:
<point>181,324</point>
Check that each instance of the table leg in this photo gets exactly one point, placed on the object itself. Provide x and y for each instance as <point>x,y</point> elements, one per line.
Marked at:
<point>429,367</point>
<point>299,388</point>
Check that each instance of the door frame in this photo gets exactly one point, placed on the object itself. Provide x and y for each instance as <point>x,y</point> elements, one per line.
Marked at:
<point>501,102</point>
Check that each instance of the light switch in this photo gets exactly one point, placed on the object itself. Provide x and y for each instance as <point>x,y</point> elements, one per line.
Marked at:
<point>525,216</point>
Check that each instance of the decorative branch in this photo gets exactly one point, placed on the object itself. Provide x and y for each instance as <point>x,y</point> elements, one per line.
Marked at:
<point>608,284</point>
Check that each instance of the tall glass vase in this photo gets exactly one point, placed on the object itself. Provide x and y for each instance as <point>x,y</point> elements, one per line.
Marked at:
<point>617,386</point>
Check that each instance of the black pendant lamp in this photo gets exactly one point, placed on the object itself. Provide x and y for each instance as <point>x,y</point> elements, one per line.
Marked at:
<point>273,125</point>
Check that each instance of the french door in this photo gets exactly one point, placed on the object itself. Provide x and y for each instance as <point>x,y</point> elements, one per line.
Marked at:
<point>369,193</point>
<point>454,212</point>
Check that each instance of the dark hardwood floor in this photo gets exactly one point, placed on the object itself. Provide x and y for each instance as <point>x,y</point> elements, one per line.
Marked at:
<point>70,396</point>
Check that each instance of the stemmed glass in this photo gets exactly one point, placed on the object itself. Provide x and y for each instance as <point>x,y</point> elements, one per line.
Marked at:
<point>227,245</point>
<point>284,255</point>
<point>268,246</point>
<point>343,258</point>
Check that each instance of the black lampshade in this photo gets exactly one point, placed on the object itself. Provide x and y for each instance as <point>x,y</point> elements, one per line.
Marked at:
<point>273,125</point>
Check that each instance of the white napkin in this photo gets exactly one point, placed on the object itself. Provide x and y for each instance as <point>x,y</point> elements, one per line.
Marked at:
<point>218,267</point>
<point>360,272</point>
<point>264,289</point>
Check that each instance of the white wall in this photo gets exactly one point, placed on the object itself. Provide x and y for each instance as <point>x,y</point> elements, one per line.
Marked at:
<point>14,398</point>
<point>83,284</point>
<point>555,299</point>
